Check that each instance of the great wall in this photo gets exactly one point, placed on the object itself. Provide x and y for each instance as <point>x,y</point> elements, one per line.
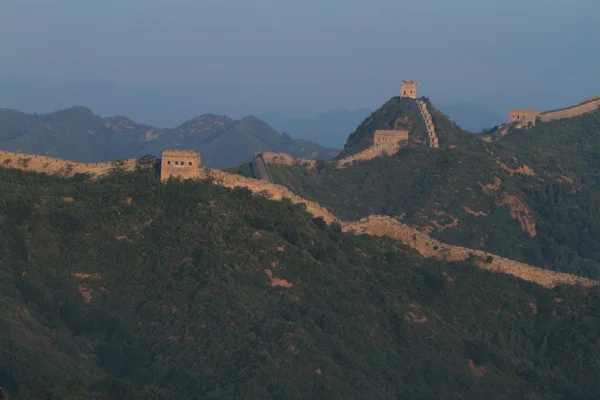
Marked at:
<point>432,139</point>
<point>385,142</point>
<point>377,225</point>
<point>525,118</point>
<point>187,165</point>
<point>381,225</point>
<point>57,166</point>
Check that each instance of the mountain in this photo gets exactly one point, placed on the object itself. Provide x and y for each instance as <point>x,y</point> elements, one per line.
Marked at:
<point>124,287</point>
<point>328,129</point>
<point>78,134</point>
<point>531,195</point>
<point>223,141</point>
<point>74,133</point>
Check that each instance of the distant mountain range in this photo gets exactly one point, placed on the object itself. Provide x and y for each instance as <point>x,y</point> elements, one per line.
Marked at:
<point>78,134</point>
<point>300,115</point>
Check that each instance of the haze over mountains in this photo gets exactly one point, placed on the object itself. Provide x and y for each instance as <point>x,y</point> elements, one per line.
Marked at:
<point>78,134</point>
<point>302,115</point>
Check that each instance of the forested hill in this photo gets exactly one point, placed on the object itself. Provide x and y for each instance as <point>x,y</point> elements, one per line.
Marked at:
<point>531,196</point>
<point>403,113</point>
<point>78,134</point>
<point>123,287</point>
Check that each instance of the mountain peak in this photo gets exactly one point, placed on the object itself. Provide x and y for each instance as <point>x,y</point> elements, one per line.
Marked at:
<point>397,113</point>
<point>79,111</point>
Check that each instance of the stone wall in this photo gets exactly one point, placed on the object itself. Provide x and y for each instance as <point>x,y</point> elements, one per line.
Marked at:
<point>432,139</point>
<point>385,142</point>
<point>268,189</point>
<point>389,136</point>
<point>180,164</point>
<point>570,112</point>
<point>286,159</point>
<point>374,225</point>
<point>530,116</point>
<point>57,166</point>
<point>260,169</point>
<point>381,225</point>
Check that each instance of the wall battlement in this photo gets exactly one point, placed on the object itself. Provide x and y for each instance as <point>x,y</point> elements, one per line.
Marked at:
<point>181,153</point>
<point>389,136</point>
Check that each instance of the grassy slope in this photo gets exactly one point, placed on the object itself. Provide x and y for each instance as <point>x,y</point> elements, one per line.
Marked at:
<point>180,299</point>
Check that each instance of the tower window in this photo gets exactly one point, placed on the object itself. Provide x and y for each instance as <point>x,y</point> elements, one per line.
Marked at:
<point>190,163</point>
<point>176,162</point>
<point>169,162</point>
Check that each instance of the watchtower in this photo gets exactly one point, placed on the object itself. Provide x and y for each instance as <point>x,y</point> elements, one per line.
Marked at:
<point>180,164</point>
<point>408,89</point>
<point>528,116</point>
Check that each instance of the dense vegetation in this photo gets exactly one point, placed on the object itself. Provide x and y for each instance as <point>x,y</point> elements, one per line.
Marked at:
<point>403,113</point>
<point>79,135</point>
<point>442,188</point>
<point>127,288</point>
<point>566,152</point>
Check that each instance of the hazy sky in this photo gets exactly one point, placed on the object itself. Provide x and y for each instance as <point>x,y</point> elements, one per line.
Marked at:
<point>535,53</point>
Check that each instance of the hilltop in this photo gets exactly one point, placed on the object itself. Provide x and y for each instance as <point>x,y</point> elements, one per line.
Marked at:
<point>122,284</point>
<point>78,134</point>
<point>529,195</point>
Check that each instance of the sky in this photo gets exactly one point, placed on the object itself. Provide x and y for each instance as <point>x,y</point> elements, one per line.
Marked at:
<point>344,53</point>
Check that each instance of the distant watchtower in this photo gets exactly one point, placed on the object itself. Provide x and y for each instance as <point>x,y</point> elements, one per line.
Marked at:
<point>408,89</point>
<point>180,164</point>
<point>527,116</point>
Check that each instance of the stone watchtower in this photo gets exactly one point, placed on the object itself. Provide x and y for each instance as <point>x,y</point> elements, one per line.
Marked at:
<point>183,164</point>
<point>527,116</point>
<point>408,89</point>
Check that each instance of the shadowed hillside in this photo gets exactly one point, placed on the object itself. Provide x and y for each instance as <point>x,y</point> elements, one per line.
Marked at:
<point>530,196</point>
<point>128,288</point>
